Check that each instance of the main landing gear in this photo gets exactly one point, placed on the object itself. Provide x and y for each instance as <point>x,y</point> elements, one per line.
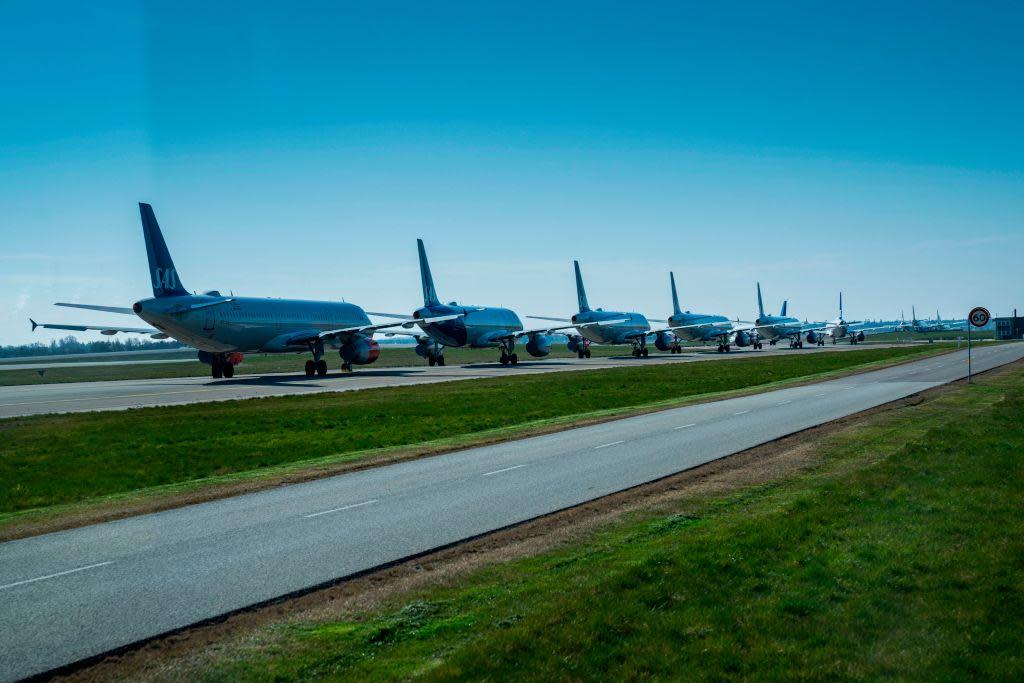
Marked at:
<point>724,348</point>
<point>435,359</point>
<point>317,366</point>
<point>222,367</point>
<point>508,355</point>
<point>640,350</point>
<point>795,344</point>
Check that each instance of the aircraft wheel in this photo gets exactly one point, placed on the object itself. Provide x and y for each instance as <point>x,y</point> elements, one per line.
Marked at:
<point>440,360</point>
<point>310,368</point>
<point>728,348</point>
<point>321,367</point>
<point>504,358</point>
<point>644,352</point>
<point>579,354</point>
<point>587,353</point>
<point>229,370</point>
<point>513,359</point>
<point>431,360</point>
<point>346,367</point>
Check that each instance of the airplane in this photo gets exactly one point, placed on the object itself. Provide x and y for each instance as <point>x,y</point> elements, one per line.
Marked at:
<point>938,325</point>
<point>224,328</point>
<point>704,327</point>
<point>606,327</point>
<point>838,329</point>
<point>455,325</point>
<point>775,328</point>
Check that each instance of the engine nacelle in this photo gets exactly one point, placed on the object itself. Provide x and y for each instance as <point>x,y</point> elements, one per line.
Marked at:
<point>813,337</point>
<point>860,336</point>
<point>574,344</point>
<point>206,357</point>
<point>743,339</point>
<point>424,349</point>
<point>360,351</point>
<point>538,345</point>
<point>664,341</point>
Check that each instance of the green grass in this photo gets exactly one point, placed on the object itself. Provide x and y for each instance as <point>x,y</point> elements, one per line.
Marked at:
<point>899,555</point>
<point>265,364</point>
<point>61,459</point>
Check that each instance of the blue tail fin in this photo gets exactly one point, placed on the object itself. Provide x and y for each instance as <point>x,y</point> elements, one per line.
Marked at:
<point>760,302</point>
<point>840,305</point>
<point>675,297</point>
<point>429,293</point>
<point>581,294</point>
<point>161,267</point>
<point>782,314</point>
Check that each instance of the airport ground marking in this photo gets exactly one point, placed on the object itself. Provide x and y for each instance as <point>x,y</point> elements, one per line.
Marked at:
<point>503,469</point>
<point>606,445</point>
<point>784,403</point>
<point>692,424</point>
<point>344,507</point>
<point>53,576</point>
<point>742,412</point>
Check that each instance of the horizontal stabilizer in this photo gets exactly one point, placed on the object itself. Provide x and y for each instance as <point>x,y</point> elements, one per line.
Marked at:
<point>93,307</point>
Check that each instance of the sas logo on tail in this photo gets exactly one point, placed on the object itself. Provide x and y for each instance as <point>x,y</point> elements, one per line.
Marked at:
<point>165,278</point>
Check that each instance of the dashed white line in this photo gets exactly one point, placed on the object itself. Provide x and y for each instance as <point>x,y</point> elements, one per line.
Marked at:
<point>742,412</point>
<point>784,403</point>
<point>503,469</point>
<point>345,507</point>
<point>694,424</point>
<point>53,576</point>
<point>606,445</point>
<point>818,395</point>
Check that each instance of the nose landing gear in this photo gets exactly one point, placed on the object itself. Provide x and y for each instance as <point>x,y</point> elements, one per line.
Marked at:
<point>317,366</point>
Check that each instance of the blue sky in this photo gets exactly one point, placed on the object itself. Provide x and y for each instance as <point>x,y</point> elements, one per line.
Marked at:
<point>866,147</point>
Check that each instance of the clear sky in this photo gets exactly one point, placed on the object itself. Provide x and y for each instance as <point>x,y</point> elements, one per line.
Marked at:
<point>296,149</point>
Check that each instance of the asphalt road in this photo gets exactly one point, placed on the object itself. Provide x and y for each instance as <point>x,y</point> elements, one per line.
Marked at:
<point>17,401</point>
<point>69,595</point>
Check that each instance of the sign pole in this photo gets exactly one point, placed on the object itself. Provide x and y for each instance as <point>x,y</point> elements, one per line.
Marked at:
<point>969,326</point>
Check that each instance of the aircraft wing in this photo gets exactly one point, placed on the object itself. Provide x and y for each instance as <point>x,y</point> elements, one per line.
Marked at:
<point>544,317</point>
<point>93,307</point>
<point>107,330</point>
<point>370,329</point>
<point>396,316</point>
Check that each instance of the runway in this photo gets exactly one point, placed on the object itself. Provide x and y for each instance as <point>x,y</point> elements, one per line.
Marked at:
<point>39,399</point>
<point>74,594</point>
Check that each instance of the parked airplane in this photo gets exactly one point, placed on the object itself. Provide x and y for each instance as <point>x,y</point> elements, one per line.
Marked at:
<point>605,327</point>
<point>704,327</point>
<point>452,324</point>
<point>223,328</point>
<point>777,327</point>
<point>838,329</point>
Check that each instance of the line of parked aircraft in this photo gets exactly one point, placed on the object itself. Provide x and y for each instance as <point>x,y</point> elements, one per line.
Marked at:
<point>223,328</point>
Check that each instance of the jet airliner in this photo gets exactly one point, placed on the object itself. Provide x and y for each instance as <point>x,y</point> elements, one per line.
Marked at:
<point>223,328</point>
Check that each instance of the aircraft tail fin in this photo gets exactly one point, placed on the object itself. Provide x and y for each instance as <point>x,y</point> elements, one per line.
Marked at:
<point>760,302</point>
<point>161,267</point>
<point>581,294</point>
<point>782,313</point>
<point>675,297</point>
<point>840,305</point>
<point>429,293</point>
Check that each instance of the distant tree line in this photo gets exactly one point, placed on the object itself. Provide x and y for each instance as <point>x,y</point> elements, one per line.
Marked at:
<point>70,344</point>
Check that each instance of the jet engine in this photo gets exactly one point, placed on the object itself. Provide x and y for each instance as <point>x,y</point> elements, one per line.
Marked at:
<point>742,339</point>
<point>575,343</point>
<point>664,341</point>
<point>859,337</point>
<point>813,337</point>
<point>360,351</point>
<point>424,348</point>
<point>538,345</point>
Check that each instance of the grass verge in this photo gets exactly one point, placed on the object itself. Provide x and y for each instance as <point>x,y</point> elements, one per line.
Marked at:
<point>898,555</point>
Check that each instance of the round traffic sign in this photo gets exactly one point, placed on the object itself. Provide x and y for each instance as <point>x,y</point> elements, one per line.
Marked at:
<point>979,316</point>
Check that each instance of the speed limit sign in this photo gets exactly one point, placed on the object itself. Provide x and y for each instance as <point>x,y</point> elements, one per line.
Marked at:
<point>979,316</point>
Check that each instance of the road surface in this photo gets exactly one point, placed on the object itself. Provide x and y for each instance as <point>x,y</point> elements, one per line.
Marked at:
<point>71,397</point>
<point>74,594</point>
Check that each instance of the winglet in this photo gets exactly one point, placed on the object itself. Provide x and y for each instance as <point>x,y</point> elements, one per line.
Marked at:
<point>161,267</point>
<point>581,294</point>
<point>675,297</point>
<point>34,324</point>
<point>760,303</point>
<point>429,293</point>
